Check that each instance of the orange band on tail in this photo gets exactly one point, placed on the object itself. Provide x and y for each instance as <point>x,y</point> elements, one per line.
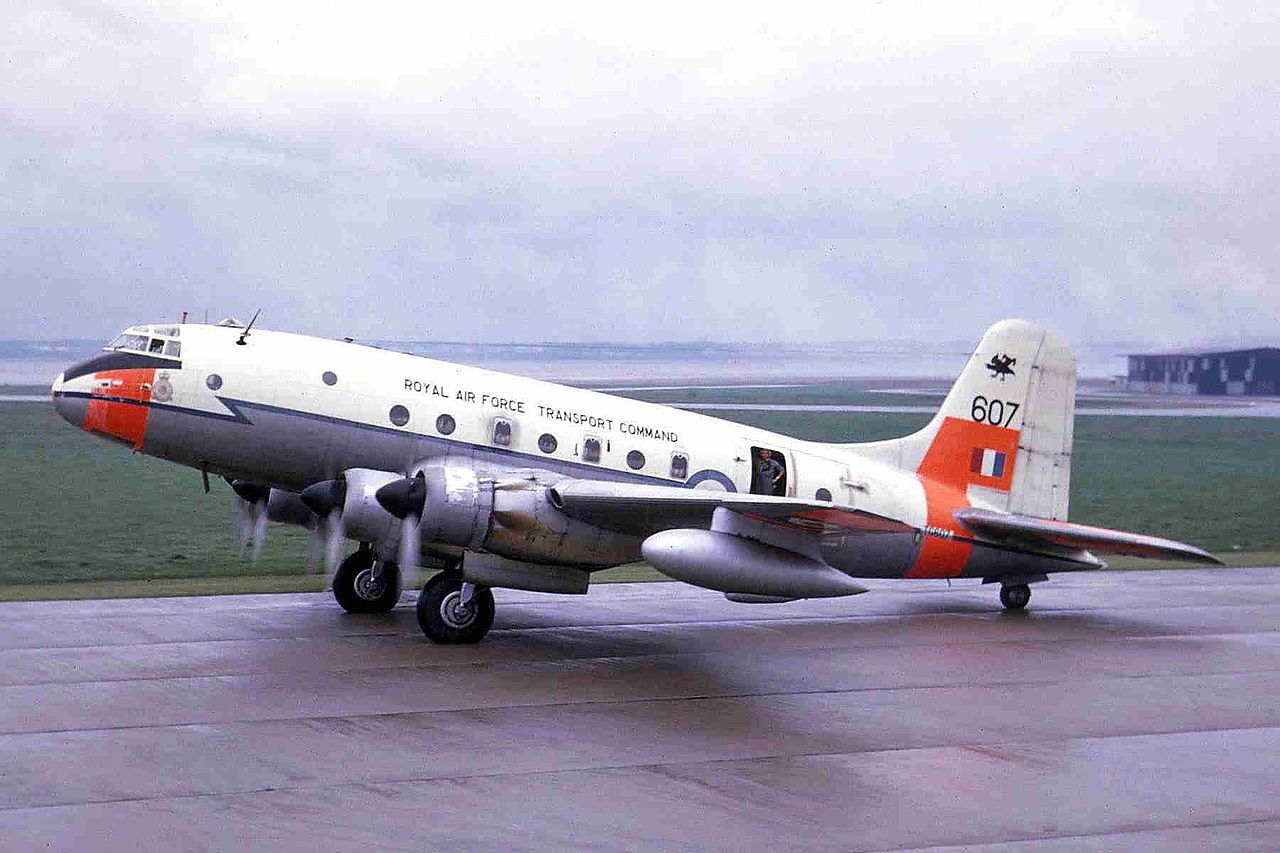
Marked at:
<point>963,453</point>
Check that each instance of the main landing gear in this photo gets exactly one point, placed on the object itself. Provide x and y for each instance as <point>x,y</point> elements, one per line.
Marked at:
<point>1015,596</point>
<point>451,610</point>
<point>365,584</point>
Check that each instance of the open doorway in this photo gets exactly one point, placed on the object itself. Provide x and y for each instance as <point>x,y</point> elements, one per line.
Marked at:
<point>768,472</point>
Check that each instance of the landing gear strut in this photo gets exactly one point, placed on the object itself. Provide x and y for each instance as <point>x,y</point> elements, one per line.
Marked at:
<point>453,611</point>
<point>364,584</point>
<point>1015,596</point>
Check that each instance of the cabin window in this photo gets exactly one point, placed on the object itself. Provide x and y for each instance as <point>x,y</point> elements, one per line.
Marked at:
<point>329,378</point>
<point>399,415</point>
<point>445,424</point>
<point>591,450</point>
<point>502,432</point>
<point>823,494</point>
<point>157,345</point>
<point>547,443</point>
<point>635,460</point>
<point>768,472</point>
<point>173,349</point>
<point>679,466</point>
<point>213,381</point>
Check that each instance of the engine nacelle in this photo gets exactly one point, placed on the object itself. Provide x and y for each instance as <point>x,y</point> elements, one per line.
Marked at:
<point>511,516</point>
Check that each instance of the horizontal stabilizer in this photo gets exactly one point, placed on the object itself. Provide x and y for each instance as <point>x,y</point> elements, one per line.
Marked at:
<point>1063,534</point>
<point>644,510</point>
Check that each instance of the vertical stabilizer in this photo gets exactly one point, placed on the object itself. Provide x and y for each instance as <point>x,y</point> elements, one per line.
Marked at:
<point>1002,437</point>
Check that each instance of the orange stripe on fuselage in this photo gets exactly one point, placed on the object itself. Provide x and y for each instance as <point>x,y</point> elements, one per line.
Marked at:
<point>946,474</point>
<point>126,421</point>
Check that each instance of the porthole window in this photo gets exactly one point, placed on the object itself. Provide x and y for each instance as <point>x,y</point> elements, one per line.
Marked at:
<point>502,432</point>
<point>329,378</point>
<point>591,450</point>
<point>635,460</point>
<point>547,443</point>
<point>399,415</point>
<point>822,494</point>
<point>679,466</point>
<point>214,381</point>
<point>445,424</point>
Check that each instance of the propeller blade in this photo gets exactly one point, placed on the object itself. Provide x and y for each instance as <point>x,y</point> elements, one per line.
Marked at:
<point>243,522</point>
<point>259,532</point>
<point>251,515</point>
<point>410,552</point>
<point>333,541</point>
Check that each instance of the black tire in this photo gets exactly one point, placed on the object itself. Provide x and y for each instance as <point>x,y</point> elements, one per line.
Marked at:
<point>355,593</point>
<point>1015,596</point>
<point>443,621</point>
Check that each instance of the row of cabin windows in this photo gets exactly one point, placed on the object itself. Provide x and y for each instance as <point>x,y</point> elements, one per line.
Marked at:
<point>504,431</point>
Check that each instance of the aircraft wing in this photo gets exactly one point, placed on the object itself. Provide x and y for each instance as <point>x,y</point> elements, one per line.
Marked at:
<point>1003,526</point>
<point>645,510</point>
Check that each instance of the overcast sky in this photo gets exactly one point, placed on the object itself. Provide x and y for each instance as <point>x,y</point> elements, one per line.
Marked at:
<point>640,172</point>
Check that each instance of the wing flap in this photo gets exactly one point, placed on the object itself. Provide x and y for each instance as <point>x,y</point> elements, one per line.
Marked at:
<point>643,510</point>
<point>1063,534</point>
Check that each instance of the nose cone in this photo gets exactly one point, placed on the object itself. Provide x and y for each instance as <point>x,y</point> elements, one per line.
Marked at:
<point>72,408</point>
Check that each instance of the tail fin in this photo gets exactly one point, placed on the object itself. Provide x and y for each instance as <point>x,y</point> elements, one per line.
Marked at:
<point>1003,434</point>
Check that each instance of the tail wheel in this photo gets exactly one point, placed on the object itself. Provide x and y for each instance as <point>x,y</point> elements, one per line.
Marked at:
<point>446,615</point>
<point>1015,596</point>
<point>359,589</point>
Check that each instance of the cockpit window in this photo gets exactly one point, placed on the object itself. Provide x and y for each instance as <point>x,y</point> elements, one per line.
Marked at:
<point>152,340</point>
<point>133,342</point>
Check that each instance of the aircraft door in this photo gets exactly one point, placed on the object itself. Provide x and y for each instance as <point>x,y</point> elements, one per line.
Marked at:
<point>770,472</point>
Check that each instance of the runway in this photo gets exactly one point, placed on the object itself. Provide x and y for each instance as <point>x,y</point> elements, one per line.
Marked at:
<point>1125,710</point>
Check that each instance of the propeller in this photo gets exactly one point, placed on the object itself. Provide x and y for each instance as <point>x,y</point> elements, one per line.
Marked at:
<point>405,499</point>
<point>326,500</point>
<point>251,515</point>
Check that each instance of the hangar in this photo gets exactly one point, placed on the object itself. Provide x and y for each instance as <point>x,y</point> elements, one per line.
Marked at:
<point>1242,372</point>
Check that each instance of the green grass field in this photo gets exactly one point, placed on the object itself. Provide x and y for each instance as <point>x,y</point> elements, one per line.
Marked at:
<point>78,509</point>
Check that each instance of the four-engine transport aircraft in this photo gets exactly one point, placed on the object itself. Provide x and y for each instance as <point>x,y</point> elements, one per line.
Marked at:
<point>503,481</point>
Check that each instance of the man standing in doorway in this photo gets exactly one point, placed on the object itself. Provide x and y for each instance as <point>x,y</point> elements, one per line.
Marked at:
<point>770,473</point>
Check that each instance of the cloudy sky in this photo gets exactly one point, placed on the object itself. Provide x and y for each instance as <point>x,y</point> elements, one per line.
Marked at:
<point>641,172</point>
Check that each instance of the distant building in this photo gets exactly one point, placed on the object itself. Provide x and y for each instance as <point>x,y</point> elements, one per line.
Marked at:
<point>1243,372</point>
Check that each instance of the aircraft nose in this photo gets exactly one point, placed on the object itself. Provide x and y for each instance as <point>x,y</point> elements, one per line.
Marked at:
<point>72,409</point>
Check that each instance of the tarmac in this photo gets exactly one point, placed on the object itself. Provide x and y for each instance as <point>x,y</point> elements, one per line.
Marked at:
<point>1123,711</point>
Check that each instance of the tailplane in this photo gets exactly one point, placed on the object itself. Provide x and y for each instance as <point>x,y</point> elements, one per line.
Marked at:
<point>1004,432</point>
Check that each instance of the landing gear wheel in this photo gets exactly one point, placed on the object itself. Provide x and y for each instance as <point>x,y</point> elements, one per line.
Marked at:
<point>1015,596</point>
<point>445,618</point>
<point>358,590</point>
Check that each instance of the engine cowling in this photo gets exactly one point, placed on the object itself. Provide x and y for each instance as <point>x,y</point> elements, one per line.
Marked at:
<point>353,495</point>
<point>288,508</point>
